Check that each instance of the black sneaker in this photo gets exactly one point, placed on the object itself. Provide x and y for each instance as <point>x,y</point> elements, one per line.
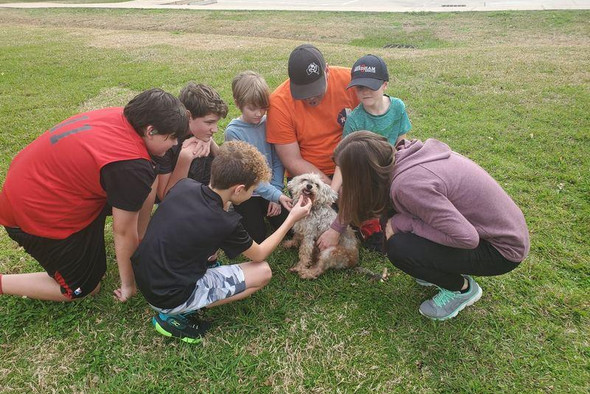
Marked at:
<point>375,242</point>
<point>196,317</point>
<point>178,326</point>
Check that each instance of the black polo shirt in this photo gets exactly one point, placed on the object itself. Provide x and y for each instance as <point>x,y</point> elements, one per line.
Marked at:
<point>188,227</point>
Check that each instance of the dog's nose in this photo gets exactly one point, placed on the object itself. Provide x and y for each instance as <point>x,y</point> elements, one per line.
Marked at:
<point>308,186</point>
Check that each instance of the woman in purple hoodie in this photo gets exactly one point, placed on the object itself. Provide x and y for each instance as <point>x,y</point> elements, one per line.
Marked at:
<point>451,218</point>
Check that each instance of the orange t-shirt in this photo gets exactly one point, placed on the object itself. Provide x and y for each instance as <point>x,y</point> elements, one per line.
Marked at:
<point>317,130</point>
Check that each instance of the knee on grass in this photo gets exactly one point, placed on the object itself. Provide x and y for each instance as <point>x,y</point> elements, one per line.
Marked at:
<point>265,273</point>
<point>257,274</point>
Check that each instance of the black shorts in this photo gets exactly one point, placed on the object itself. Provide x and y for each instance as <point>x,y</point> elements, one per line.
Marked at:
<point>77,262</point>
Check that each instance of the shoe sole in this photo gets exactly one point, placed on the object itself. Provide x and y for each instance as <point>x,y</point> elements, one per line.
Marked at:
<point>459,309</point>
<point>162,331</point>
<point>425,284</point>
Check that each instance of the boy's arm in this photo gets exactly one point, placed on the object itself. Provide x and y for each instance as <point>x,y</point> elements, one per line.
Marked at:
<point>126,241</point>
<point>162,183</point>
<point>191,149</point>
<point>337,180</point>
<point>268,192</point>
<point>290,156</point>
<point>213,148</point>
<point>278,170</point>
<point>146,210</point>
<point>259,252</point>
<point>405,124</point>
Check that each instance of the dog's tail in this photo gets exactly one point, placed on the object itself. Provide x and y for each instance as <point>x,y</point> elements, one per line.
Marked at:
<point>372,275</point>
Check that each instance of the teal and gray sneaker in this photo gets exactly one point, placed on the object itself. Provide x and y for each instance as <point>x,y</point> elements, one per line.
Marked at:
<point>179,326</point>
<point>213,264</point>
<point>447,304</point>
<point>424,283</point>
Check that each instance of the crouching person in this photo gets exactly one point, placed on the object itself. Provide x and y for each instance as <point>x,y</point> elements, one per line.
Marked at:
<point>60,188</point>
<point>191,223</point>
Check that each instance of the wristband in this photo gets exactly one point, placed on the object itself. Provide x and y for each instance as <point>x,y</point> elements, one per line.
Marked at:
<point>337,226</point>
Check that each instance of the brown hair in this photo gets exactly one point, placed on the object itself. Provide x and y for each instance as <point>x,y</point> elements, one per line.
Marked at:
<point>366,160</point>
<point>250,88</point>
<point>202,100</point>
<point>238,163</point>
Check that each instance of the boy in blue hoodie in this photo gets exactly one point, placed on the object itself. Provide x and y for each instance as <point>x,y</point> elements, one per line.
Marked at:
<point>251,95</point>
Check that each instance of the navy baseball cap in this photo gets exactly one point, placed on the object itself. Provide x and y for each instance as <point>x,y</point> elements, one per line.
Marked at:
<point>307,69</point>
<point>369,71</point>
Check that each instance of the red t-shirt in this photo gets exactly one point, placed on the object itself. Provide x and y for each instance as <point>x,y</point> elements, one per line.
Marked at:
<point>317,130</point>
<point>53,188</point>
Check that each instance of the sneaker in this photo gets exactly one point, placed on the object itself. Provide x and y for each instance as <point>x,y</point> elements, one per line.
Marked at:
<point>447,304</point>
<point>213,264</point>
<point>424,283</point>
<point>196,317</point>
<point>179,326</point>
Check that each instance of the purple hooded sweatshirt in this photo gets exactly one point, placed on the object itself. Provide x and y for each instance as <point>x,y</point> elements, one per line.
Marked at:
<point>448,199</point>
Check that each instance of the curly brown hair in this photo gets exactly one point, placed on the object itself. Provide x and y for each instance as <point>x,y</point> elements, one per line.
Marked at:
<point>366,160</point>
<point>238,163</point>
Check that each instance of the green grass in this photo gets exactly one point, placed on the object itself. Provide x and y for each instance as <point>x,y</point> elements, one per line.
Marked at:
<point>511,90</point>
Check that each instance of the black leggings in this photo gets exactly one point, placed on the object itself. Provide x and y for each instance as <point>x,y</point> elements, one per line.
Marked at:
<point>253,212</point>
<point>443,265</point>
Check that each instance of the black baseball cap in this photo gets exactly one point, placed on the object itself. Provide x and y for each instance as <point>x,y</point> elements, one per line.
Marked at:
<point>307,68</point>
<point>369,71</point>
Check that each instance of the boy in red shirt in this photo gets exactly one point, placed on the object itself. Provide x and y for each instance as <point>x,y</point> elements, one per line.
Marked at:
<point>60,188</point>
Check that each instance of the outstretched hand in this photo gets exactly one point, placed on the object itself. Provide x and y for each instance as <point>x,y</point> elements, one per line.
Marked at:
<point>301,208</point>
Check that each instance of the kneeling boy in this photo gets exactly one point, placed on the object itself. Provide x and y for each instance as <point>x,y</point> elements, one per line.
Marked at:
<point>189,226</point>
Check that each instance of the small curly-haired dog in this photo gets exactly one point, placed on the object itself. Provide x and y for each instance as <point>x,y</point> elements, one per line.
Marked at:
<point>312,261</point>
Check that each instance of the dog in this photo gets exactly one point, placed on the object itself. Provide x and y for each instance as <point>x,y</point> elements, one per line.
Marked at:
<point>313,262</point>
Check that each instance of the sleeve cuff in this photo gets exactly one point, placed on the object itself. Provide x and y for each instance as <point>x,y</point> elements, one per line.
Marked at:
<point>337,226</point>
<point>401,223</point>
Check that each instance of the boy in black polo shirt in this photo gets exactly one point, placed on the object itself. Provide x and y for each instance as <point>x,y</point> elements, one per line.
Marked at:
<point>189,226</point>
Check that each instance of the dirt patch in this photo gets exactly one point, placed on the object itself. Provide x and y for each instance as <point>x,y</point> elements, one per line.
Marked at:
<point>122,39</point>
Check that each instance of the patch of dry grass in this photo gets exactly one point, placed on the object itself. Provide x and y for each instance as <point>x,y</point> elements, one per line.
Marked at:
<point>108,97</point>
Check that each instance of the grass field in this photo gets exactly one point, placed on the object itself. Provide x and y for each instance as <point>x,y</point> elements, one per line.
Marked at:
<point>511,90</point>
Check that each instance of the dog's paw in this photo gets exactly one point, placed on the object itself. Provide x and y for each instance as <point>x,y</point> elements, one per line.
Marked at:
<point>307,274</point>
<point>289,244</point>
<point>295,269</point>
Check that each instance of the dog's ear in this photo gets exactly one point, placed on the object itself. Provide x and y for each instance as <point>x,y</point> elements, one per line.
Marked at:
<point>290,185</point>
<point>326,196</point>
<point>333,196</point>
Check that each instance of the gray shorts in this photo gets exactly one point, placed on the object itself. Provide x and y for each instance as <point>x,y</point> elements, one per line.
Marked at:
<point>217,284</point>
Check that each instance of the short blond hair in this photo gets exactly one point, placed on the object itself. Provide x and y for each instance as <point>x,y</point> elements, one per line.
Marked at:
<point>250,88</point>
<point>238,163</point>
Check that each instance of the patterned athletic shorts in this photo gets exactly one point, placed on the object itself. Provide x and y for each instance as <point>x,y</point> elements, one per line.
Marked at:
<point>217,284</point>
